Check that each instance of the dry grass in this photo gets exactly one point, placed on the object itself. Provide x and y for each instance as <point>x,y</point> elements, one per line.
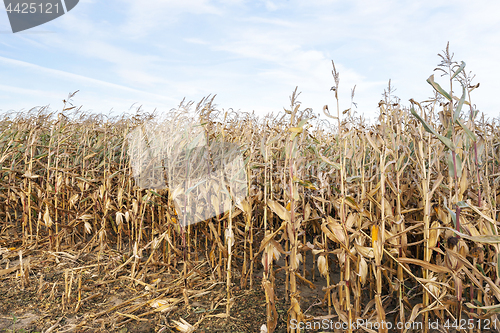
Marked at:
<point>405,210</point>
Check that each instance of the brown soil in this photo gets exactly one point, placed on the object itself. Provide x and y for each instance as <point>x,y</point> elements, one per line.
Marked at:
<point>117,293</point>
<point>112,301</point>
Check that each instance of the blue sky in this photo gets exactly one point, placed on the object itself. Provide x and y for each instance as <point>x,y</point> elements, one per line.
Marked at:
<point>251,54</point>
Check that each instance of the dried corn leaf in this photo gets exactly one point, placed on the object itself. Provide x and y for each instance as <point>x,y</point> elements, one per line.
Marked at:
<point>365,251</point>
<point>334,230</point>
<point>322,266</point>
<point>183,326</point>
<point>484,239</point>
<point>46,217</point>
<point>424,264</point>
<point>363,270</point>
<point>279,210</point>
<point>434,233</point>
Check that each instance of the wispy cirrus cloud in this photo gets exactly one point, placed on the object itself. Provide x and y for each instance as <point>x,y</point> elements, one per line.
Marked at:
<point>59,83</point>
<point>70,76</point>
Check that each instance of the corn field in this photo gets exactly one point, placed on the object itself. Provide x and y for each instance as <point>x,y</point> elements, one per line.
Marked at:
<point>398,219</point>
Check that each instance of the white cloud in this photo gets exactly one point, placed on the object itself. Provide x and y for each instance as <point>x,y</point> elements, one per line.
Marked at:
<point>145,17</point>
<point>268,21</point>
<point>254,53</point>
<point>196,41</point>
<point>71,76</point>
